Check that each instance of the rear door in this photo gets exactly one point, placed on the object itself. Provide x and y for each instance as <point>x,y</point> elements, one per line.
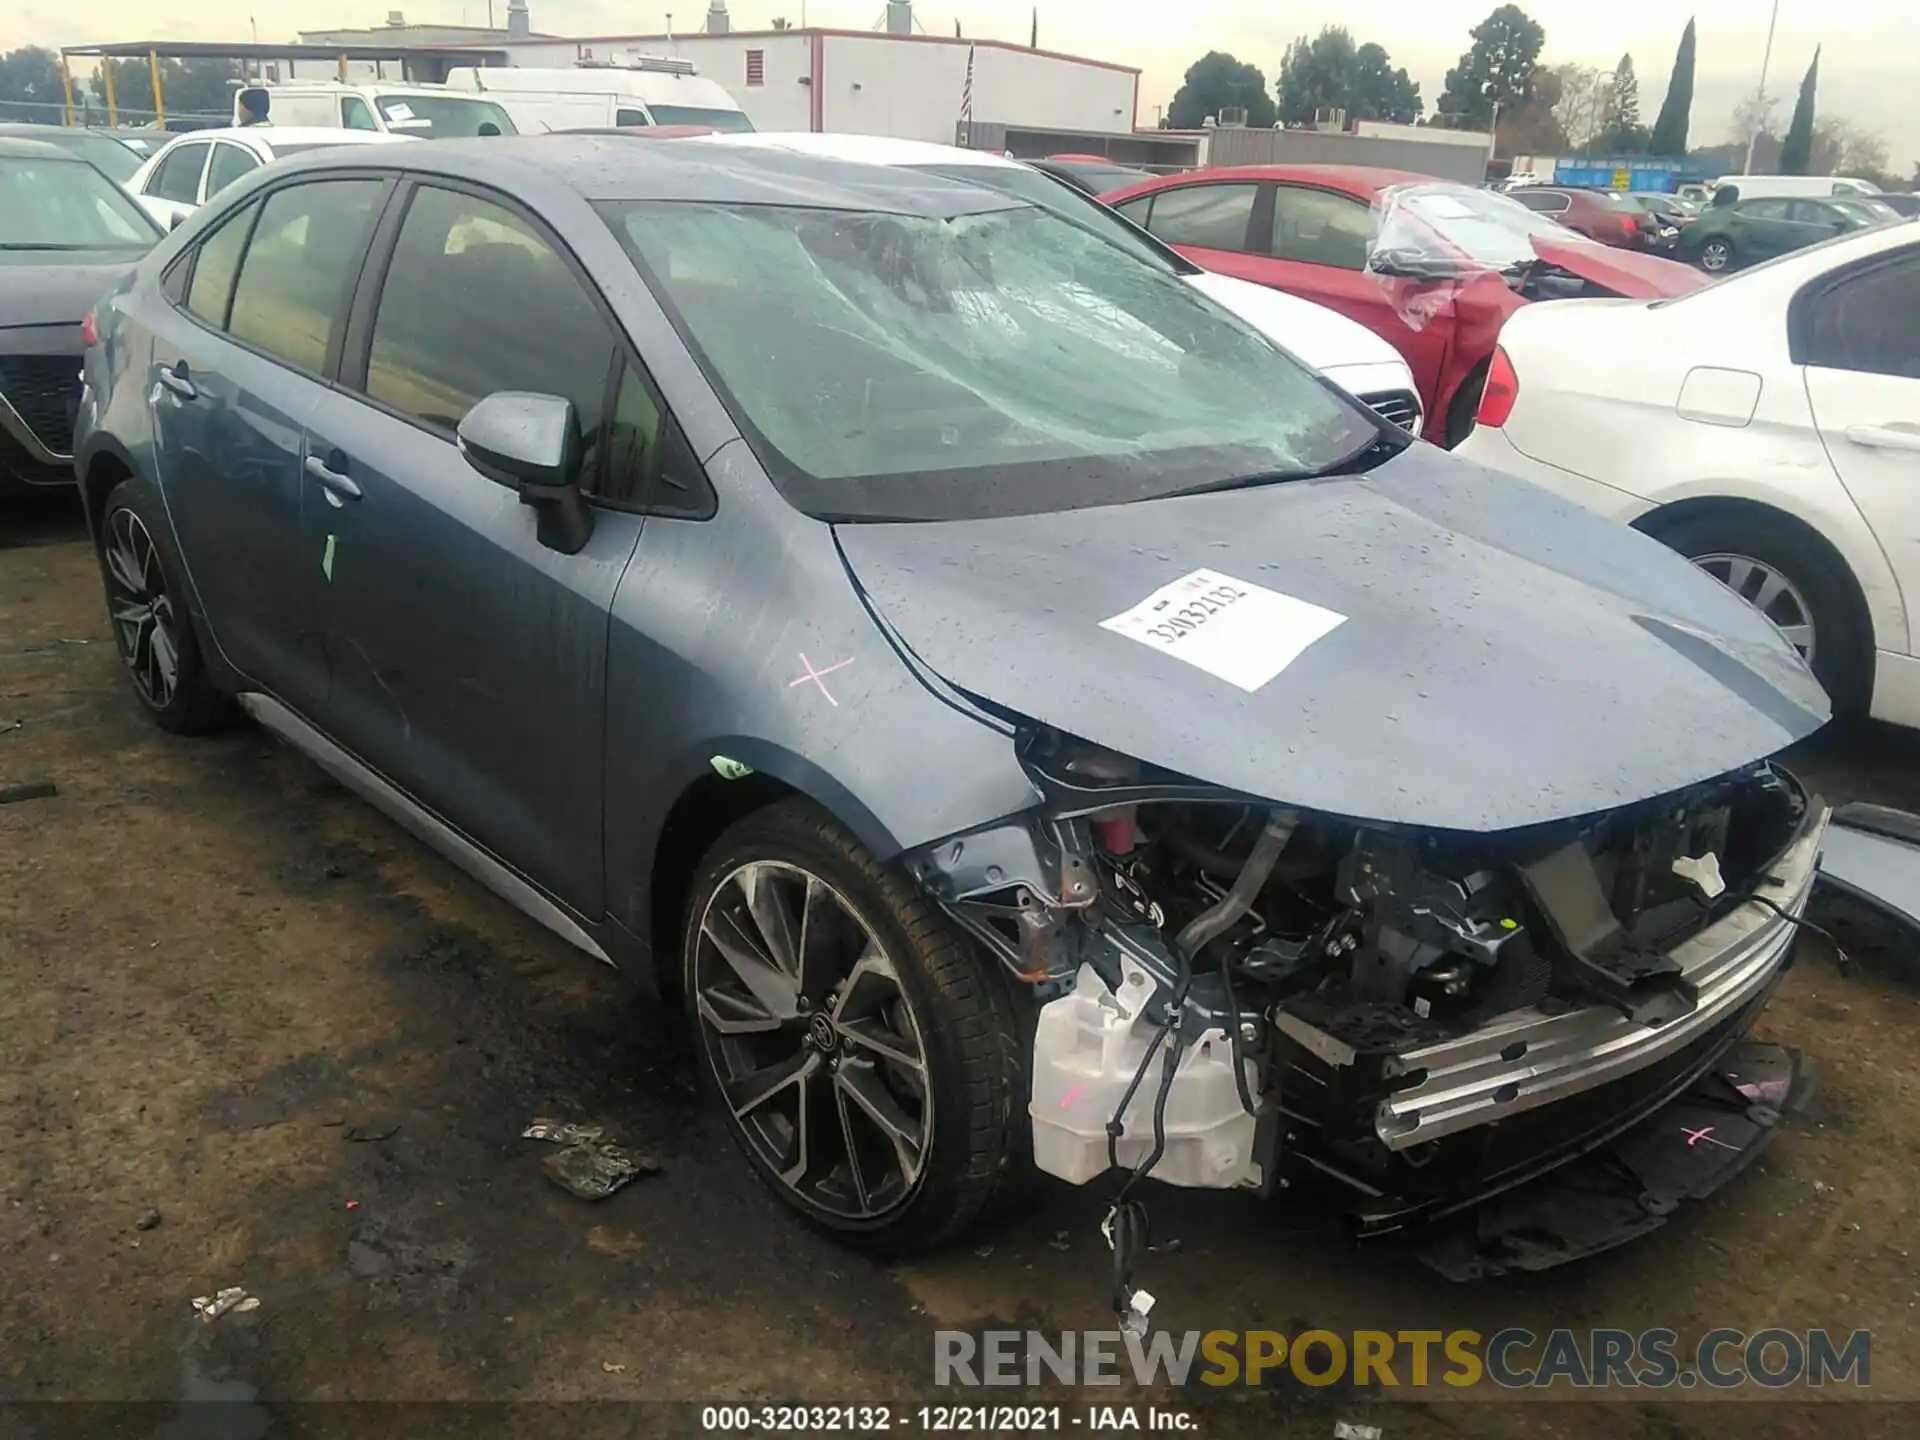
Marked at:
<point>1855,333</point>
<point>230,161</point>
<point>237,369</point>
<point>1764,228</point>
<point>1320,241</point>
<point>1211,223</point>
<point>469,661</point>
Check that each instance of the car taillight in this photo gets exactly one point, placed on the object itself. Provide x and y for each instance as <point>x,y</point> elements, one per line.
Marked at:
<point>89,329</point>
<point>1503,388</point>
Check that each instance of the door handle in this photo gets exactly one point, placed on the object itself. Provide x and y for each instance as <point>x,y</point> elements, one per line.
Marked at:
<point>1885,437</point>
<point>174,378</point>
<point>338,485</point>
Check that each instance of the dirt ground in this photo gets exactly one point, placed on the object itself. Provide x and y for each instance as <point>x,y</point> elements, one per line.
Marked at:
<point>235,999</point>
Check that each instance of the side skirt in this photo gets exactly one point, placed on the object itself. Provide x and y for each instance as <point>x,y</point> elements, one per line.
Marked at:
<point>427,827</point>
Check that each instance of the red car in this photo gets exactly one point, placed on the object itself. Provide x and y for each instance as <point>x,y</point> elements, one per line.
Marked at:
<point>1608,216</point>
<point>1432,267</point>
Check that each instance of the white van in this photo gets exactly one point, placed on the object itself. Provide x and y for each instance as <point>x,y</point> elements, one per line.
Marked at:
<point>649,91</point>
<point>1793,187</point>
<point>425,112</point>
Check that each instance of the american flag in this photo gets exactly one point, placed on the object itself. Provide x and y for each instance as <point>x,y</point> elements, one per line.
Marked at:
<point>966,99</point>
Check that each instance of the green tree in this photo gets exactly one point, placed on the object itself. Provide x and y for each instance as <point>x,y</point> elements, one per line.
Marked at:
<point>31,88</point>
<point>1497,71</point>
<point>200,89</point>
<point>1670,128</point>
<point>1797,149</point>
<point>1215,82</point>
<point>1316,75</point>
<point>1624,134</point>
<point>1383,90</point>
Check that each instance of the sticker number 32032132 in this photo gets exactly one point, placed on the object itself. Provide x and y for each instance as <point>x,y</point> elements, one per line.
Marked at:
<point>1239,632</point>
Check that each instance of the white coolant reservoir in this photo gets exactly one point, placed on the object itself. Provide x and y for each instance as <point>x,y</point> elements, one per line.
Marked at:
<point>1088,1045</point>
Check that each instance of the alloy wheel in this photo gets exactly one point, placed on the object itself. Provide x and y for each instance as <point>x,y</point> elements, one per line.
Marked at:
<point>1768,591</point>
<point>815,1044</point>
<point>1715,255</point>
<point>145,624</point>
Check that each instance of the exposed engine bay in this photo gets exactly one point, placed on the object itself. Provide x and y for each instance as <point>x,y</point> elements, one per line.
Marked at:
<point>1232,993</point>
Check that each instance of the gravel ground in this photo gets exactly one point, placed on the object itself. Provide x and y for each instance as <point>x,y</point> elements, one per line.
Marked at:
<point>255,1035</point>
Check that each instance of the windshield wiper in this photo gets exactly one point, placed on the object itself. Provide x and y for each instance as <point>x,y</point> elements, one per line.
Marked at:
<point>1376,451</point>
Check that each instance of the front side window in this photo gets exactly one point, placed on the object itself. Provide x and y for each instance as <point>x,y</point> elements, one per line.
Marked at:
<point>356,114</point>
<point>229,163</point>
<point>442,117</point>
<point>1864,321</point>
<point>477,300</point>
<point>630,117</point>
<point>177,177</point>
<point>59,203</point>
<point>1212,216</point>
<point>306,249</point>
<point>216,265</point>
<point>1317,227</point>
<point>1006,362</point>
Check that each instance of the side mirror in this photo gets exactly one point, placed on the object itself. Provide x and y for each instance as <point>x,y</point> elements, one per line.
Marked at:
<point>531,444</point>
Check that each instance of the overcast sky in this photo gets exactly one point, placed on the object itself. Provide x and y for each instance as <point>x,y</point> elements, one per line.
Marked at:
<point>1868,69</point>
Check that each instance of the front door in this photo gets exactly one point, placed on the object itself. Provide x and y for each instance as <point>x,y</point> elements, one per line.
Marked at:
<point>1862,357</point>
<point>468,660</point>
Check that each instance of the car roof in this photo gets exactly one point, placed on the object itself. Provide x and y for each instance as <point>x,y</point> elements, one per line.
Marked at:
<point>1357,179</point>
<point>272,135</point>
<point>622,167</point>
<point>37,150</point>
<point>864,149</point>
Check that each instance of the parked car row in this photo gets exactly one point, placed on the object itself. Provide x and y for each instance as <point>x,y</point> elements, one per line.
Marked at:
<point>1068,683</point>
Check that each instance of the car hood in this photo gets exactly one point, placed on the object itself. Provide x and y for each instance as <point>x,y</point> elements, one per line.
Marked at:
<point>1468,652</point>
<point>1632,276</point>
<point>1324,338</point>
<point>57,287</point>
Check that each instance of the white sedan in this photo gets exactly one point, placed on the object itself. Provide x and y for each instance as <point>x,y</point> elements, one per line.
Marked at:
<point>1767,427</point>
<point>1343,350</point>
<point>189,171</point>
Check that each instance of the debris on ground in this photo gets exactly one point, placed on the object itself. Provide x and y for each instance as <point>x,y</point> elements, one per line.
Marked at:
<point>371,1134</point>
<point>32,790</point>
<point>613,1367</point>
<point>594,1171</point>
<point>561,1132</point>
<point>1347,1430</point>
<point>211,1307</point>
<point>149,1220</point>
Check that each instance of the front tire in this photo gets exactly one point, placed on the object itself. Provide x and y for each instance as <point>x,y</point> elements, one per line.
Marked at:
<point>863,1049</point>
<point>1794,581</point>
<point>1716,255</point>
<point>152,626</point>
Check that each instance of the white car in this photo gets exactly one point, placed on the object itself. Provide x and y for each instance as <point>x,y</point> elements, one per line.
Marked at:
<point>1767,427</point>
<point>187,172</point>
<point>1343,350</point>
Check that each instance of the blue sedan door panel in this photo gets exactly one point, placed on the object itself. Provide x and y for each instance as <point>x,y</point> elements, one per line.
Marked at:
<point>469,662</point>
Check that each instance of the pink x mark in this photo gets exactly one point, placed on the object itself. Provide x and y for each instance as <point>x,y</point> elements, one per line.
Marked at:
<point>814,675</point>
<point>1705,1132</point>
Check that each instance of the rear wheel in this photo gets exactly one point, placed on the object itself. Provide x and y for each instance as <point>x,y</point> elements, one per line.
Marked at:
<point>1716,255</point>
<point>863,1050</point>
<point>152,629</point>
<point>1793,580</point>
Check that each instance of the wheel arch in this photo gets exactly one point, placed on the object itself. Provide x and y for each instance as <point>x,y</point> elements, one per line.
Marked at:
<point>104,466</point>
<point>1664,518</point>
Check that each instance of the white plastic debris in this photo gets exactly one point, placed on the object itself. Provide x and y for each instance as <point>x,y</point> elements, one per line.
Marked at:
<point>1347,1430</point>
<point>561,1132</point>
<point>1139,1307</point>
<point>595,1171</point>
<point>211,1307</point>
<point>1703,873</point>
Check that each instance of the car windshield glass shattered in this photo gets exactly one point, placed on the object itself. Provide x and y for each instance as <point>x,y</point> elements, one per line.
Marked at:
<point>906,367</point>
<point>1452,222</point>
<point>63,204</point>
<point>442,117</point>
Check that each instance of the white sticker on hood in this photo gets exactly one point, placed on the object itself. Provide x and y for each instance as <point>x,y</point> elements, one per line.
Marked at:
<point>1242,633</point>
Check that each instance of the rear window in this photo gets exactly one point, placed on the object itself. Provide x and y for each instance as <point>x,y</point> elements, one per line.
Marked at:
<point>442,117</point>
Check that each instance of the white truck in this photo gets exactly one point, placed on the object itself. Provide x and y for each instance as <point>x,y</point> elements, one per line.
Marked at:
<point>1794,187</point>
<point>646,91</point>
<point>425,112</point>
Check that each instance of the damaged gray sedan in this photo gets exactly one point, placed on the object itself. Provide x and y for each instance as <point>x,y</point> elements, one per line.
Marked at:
<point>1024,716</point>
